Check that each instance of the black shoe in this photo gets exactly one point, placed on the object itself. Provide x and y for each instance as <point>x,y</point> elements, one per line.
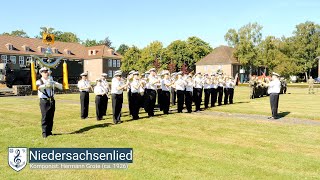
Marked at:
<point>99,119</point>
<point>84,118</point>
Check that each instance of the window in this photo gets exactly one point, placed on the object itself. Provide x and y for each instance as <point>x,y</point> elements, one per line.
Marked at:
<point>68,52</point>
<point>4,58</point>
<point>118,63</point>
<point>28,60</point>
<point>10,47</point>
<point>109,62</point>
<point>21,60</point>
<point>43,50</point>
<point>13,59</point>
<point>114,63</point>
<point>110,73</point>
<point>55,50</point>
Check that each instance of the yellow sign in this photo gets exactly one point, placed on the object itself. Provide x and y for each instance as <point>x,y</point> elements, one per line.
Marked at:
<point>48,38</point>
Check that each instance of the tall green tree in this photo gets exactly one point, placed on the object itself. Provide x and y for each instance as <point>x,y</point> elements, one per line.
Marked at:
<point>90,42</point>
<point>306,42</point>
<point>122,49</point>
<point>198,49</point>
<point>151,54</point>
<point>19,33</point>
<point>245,42</point>
<point>179,53</point>
<point>131,59</point>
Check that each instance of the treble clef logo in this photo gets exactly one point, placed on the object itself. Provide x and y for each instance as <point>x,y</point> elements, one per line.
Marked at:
<point>16,159</point>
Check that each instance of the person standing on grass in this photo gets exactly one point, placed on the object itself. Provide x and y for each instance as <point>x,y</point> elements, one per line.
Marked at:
<point>188,93</point>
<point>197,91</point>
<point>311,83</point>
<point>274,89</point>
<point>45,87</point>
<point>100,92</point>
<point>135,86</point>
<point>84,88</point>
<point>151,92</point>
<point>166,84</point>
<point>117,87</point>
<point>105,97</point>
<point>180,85</point>
<point>207,89</point>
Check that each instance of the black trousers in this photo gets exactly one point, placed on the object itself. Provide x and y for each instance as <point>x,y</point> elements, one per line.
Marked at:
<point>129,101</point>
<point>207,93</point>
<point>104,104</point>
<point>165,102</point>
<point>84,101</point>
<point>226,95</point>
<point>219,94</point>
<point>231,92</point>
<point>274,102</point>
<point>159,98</point>
<point>197,97</point>
<point>213,96</point>
<point>100,105</point>
<point>150,101</point>
<point>47,109</point>
<point>135,105</point>
<point>173,96</point>
<point>188,101</point>
<point>117,100</point>
<point>180,97</point>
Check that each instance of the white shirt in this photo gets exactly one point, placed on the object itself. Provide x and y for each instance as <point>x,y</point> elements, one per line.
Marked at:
<point>230,84</point>
<point>206,83</point>
<point>135,86</point>
<point>142,87</point>
<point>214,84</point>
<point>85,84</point>
<point>197,82</point>
<point>164,87</point>
<point>114,86</point>
<point>99,90</point>
<point>189,86</point>
<point>50,91</point>
<point>180,84</point>
<point>152,83</point>
<point>274,86</point>
<point>220,82</point>
<point>105,85</point>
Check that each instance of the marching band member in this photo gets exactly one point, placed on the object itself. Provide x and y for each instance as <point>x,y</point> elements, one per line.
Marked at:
<point>197,91</point>
<point>129,78</point>
<point>100,92</point>
<point>180,85</point>
<point>117,95</point>
<point>165,86</point>
<point>142,89</point>
<point>151,92</point>
<point>188,93</point>
<point>220,89</point>
<point>214,86</point>
<point>207,89</point>
<point>46,87</point>
<point>232,84</point>
<point>173,89</point>
<point>135,86</point>
<point>159,92</point>
<point>84,88</point>
<point>226,88</point>
<point>105,97</point>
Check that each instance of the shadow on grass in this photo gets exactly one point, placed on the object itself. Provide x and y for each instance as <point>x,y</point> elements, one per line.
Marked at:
<point>85,129</point>
<point>283,114</point>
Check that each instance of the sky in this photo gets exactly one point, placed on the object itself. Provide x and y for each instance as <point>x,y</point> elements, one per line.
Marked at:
<point>139,22</point>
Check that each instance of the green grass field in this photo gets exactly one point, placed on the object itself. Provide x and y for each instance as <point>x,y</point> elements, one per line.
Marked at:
<point>228,142</point>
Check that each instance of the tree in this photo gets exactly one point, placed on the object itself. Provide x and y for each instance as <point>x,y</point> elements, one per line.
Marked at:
<point>245,42</point>
<point>122,49</point>
<point>89,42</point>
<point>19,33</point>
<point>106,42</point>
<point>130,60</point>
<point>306,43</point>
<point>149,54</point>
<point>179,52</point>
<point>198,49</point>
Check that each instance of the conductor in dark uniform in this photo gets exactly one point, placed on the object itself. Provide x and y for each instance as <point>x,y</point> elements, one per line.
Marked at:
<point>46,87</point>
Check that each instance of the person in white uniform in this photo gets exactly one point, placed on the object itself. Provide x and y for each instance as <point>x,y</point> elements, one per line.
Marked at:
<point>117,87</point>
<point>84,88</point>
<point>45,87</point>
<point>274,89</point>
<point>99,91</point>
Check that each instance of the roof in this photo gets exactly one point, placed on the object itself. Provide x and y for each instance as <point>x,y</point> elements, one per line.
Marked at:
<point>78,51</point>
<point>219,55</point>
